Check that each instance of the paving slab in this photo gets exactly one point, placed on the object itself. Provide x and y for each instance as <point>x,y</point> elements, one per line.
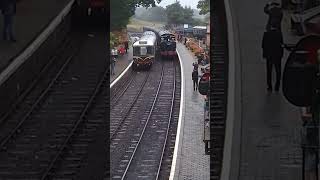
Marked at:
<point>121,64</point>
<point>32,17</point>
<point>270,125</point>
<point>193,164</point>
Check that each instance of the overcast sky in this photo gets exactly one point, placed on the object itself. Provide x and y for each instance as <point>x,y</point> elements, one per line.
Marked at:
<point>192,3</point>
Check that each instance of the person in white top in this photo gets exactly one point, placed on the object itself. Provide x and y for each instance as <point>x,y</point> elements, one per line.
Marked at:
<point>114,55</point>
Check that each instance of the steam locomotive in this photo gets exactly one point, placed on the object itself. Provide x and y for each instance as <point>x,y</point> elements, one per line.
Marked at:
<point>166,41</point>
<point>167,44</point>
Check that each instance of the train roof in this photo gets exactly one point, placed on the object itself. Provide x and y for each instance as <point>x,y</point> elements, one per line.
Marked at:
<point>200,27</point>
<point>148,39</point>
<point>164,32</point>
<point>159,31</point>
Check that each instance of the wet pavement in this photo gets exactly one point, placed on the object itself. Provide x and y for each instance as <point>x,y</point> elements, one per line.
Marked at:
<point>270,125</point>
<point>193,163</point>
<point>31,18</point>
<point>121,64</point>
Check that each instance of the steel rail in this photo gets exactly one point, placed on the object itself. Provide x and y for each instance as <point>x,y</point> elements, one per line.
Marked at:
<point>78,122</point>
<point>145,126</point>
<point>169,123</point>
<point>114,98</point>
<point>43,94</point>
<point>34,82</point>
<point>131,106</point>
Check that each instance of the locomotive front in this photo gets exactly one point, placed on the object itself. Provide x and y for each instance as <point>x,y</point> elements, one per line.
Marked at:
<point>167,45</point>
<point>144,50</point>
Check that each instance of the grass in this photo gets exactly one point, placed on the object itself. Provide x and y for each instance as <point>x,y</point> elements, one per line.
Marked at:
<point>137,24</point>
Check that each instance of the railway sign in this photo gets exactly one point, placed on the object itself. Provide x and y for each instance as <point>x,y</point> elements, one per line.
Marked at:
<point>143,42</point>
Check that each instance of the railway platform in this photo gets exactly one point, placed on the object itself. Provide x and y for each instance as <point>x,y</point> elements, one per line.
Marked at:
<point>31,19</point>
<point>266,135</point>
<point>121,64</point>
<point>191,161</point>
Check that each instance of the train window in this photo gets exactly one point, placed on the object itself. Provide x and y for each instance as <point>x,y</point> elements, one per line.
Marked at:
<point>136,51</point>
<point>150,50</point>
<point>143,51</point>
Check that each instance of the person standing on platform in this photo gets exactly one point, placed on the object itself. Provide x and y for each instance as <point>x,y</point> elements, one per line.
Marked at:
<point>112,64</point>
<point>8,11</point>
<point>126,45</point>
<point>272,45</point>
<point>274,11</point>
<point>195,66</point>
<point>114,55</point>
<point>195,79</point>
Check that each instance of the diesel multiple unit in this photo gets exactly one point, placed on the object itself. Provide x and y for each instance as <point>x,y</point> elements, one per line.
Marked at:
<point>144,50</point>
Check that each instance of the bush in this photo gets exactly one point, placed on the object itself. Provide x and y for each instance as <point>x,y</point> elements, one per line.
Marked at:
<point>113,40</point>
<point>193,46</point>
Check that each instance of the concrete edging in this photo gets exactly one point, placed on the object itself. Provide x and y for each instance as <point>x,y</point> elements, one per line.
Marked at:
<point>34,45</point>
<point>16,78</point>
<point>120,76</point>
<point>174,172</point>
<point>124,76</point>
<point>232,142</point>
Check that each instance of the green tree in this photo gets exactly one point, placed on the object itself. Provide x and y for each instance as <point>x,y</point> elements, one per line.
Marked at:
<point>204,6</point>
<point>122,10</point>
<point>176,14</point>
<point>197,22</point>
<point>154,14</point>
<point>187,14</point>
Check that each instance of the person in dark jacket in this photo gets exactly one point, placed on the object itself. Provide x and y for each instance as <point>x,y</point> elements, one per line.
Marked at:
<point>9,9</point>
<point>195,66</point>
<point>272,45</point>
<point>112,65</point>
<point>274,11</point>
<point>195,77</point>
<point>126,45</point>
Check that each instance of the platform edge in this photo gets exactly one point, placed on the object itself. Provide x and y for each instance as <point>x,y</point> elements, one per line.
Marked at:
<point>174,172</point>
<point>120,76</point>
<point>18,61</point>
<point>231,151</point>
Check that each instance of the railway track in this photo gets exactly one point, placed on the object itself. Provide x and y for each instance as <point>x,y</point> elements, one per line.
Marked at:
<point>55,123</point>
<point>124,86</point>
<point>150,117</point>
<point>165,169</point>
<point>219,87</point>
<point>81,135</point>
<point>137,85</point>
